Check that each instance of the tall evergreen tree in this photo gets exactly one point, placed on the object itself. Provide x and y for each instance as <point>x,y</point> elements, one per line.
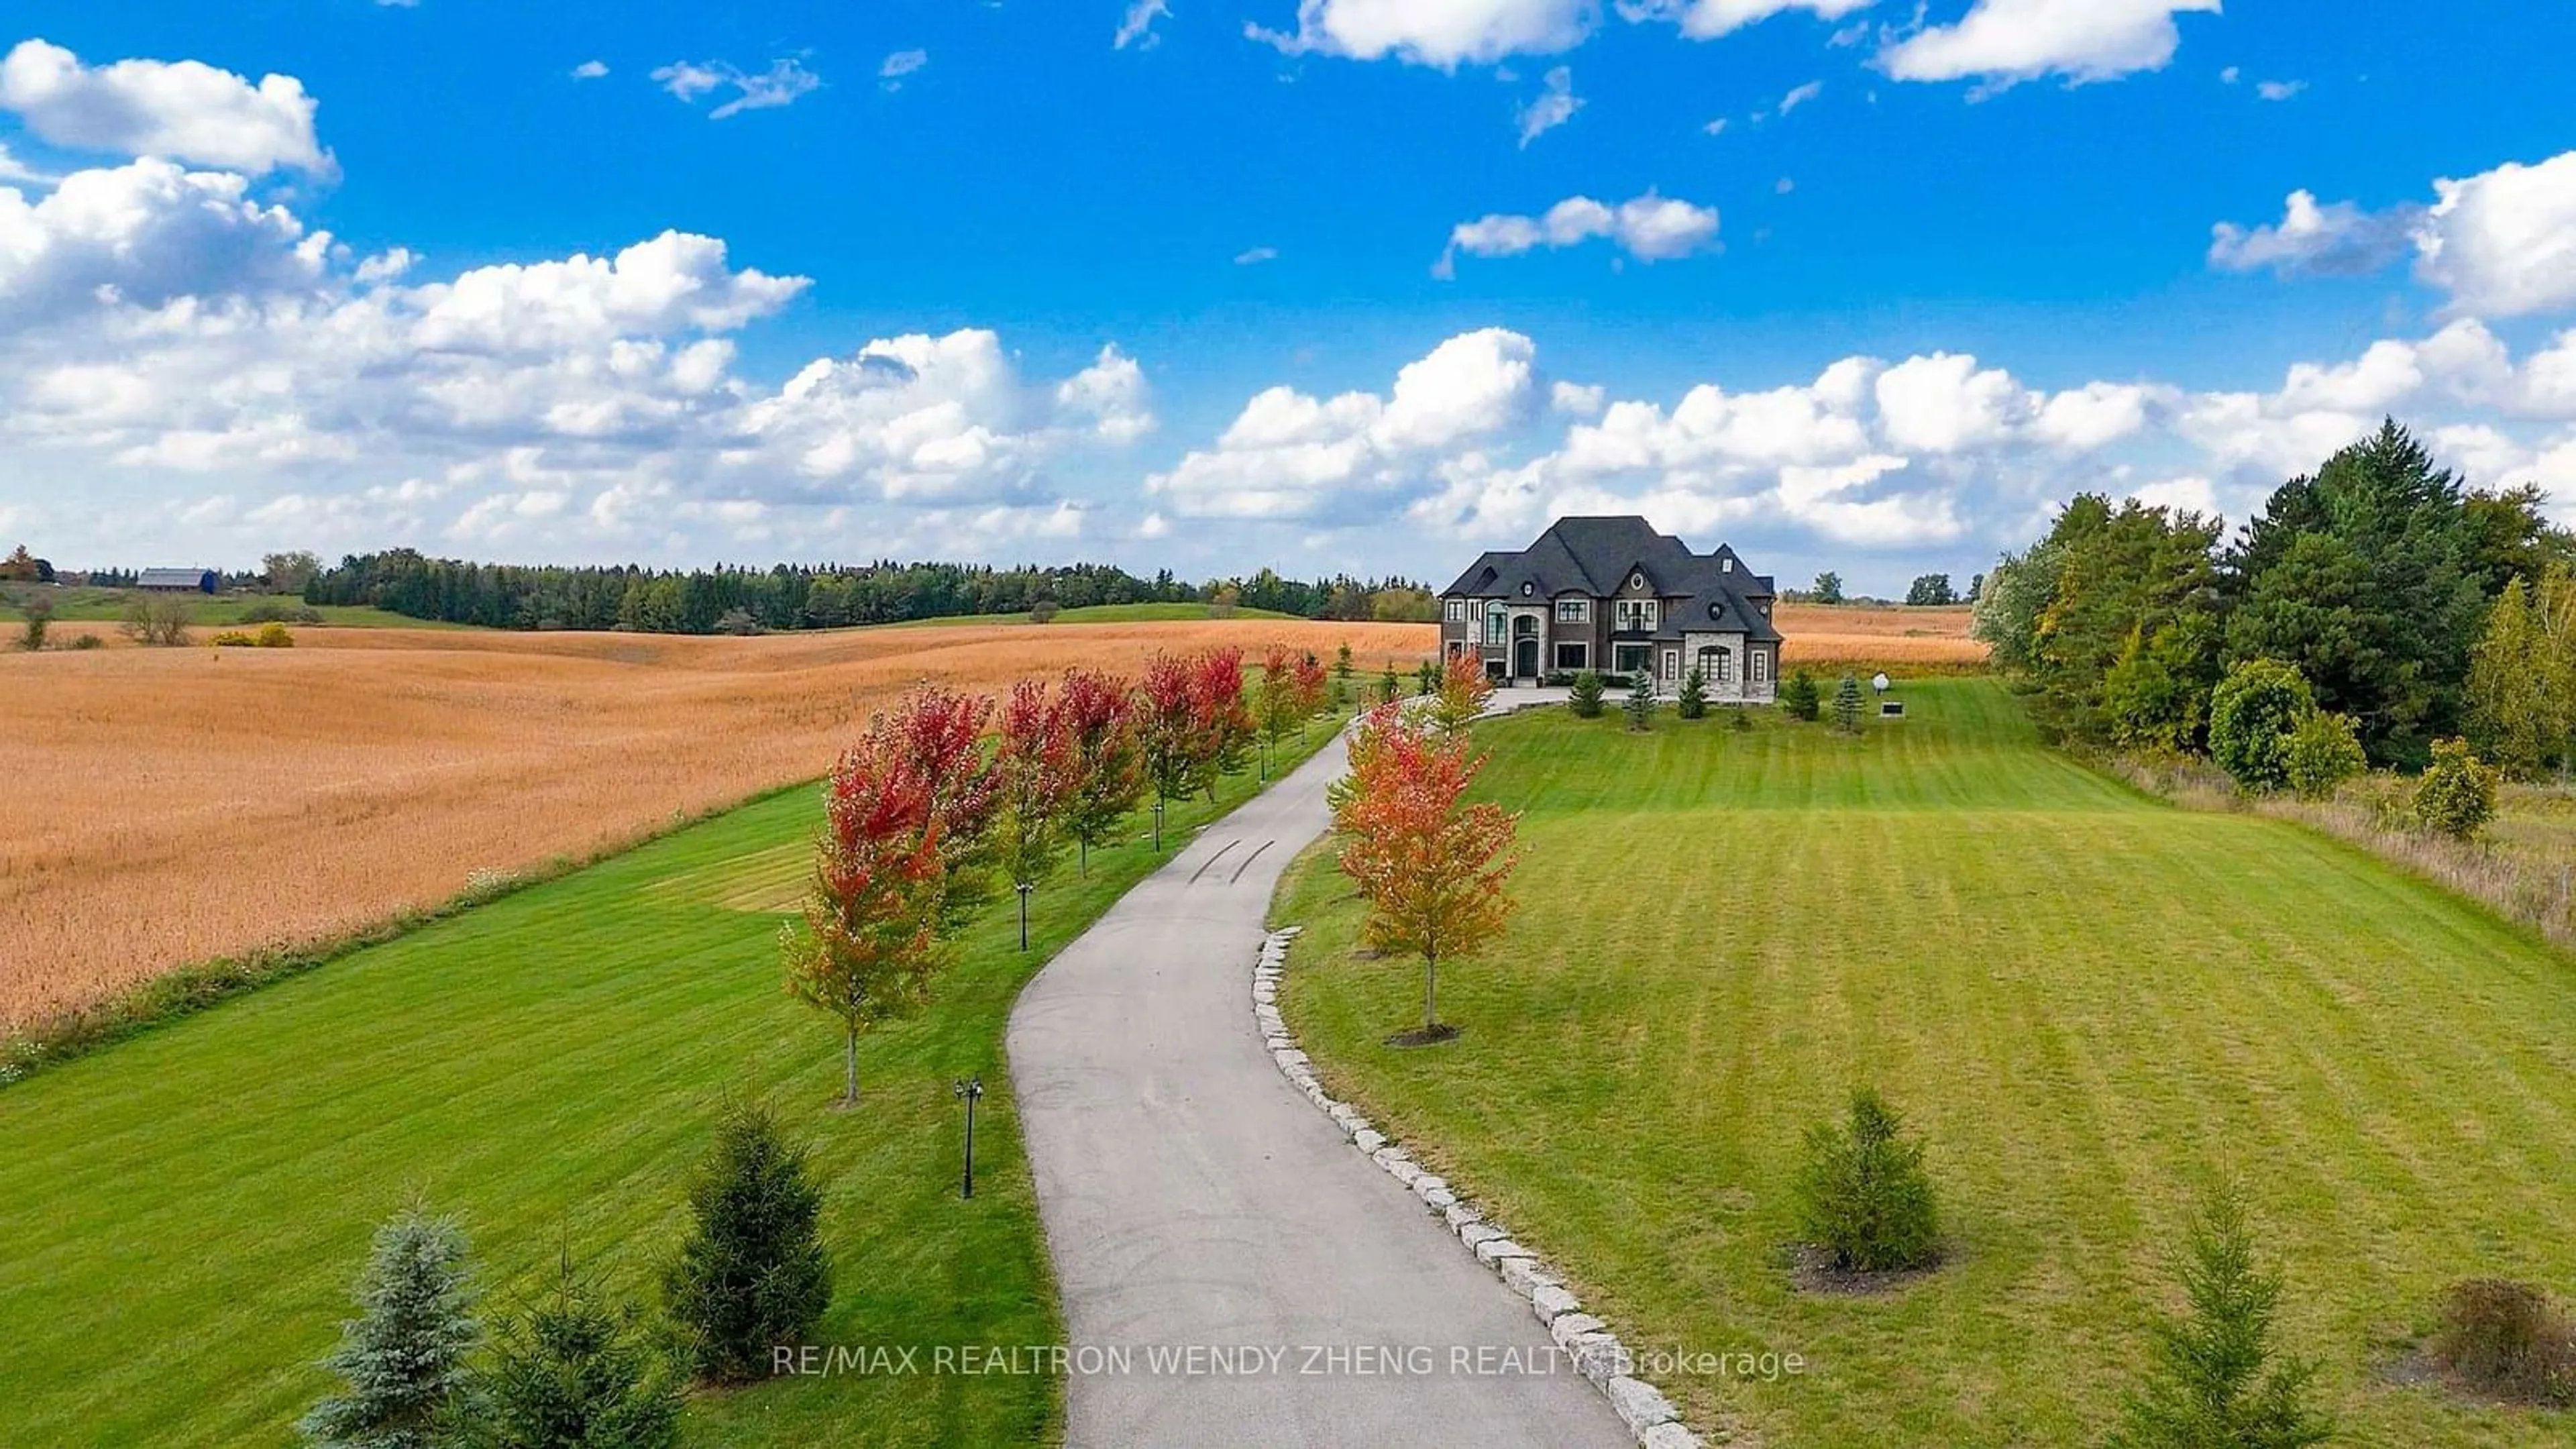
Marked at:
<point>2368,580</point>
<point>404,1355</point>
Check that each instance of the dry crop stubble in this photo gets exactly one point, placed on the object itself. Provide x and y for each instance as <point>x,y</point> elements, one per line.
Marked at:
<point>177,805</point>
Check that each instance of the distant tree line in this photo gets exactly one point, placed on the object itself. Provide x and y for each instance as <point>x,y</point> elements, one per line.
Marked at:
<point>2376,580</point>
<point>786,597</point>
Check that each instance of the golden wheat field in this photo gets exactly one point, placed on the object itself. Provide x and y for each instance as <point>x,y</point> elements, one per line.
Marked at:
<point>1844,633</point>
<point>175,805</point>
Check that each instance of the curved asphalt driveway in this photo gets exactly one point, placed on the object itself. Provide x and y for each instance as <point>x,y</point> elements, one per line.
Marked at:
<point>1192,1197</point>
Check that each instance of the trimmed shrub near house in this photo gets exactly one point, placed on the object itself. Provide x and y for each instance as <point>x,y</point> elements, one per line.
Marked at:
<point>1863,1196</point>
<point>2507,1339</point>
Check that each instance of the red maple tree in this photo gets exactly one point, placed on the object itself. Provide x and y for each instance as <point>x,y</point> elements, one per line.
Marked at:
<point>1225,723</point>
<point>937,734</point>
<point>1432,868</point>
<point>871,943</point>
<point>1108,758</point>
<point>1035,770</point>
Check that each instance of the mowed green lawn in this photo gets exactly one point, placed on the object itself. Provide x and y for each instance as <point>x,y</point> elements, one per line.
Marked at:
<point>2090,1005</point>
<point>180,1215</point>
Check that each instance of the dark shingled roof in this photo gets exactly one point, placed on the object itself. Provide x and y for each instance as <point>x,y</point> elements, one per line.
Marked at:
<point>1594,554</point>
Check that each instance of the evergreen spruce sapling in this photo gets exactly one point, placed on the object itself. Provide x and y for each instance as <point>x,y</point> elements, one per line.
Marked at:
<point>1863,1195</point>
<point>1585,697</point>
<point>572,1373</point>
<point>1640,707</point>
<point>1847,706</point>
<point>1389,688</point>
<point>1800,696</point>
<point>1692,702</point>
<point>752,1276</point>
<point>404,1354</point>
<point>2211,1381</point>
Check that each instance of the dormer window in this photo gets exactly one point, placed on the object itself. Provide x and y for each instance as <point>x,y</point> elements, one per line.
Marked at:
<point>1637,581</point>
<point>1726,565</point>
<point>1716,609</point>
<point>1528,589</point>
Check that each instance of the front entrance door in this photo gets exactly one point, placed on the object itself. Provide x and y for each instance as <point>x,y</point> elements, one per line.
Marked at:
<point>1525,659</point>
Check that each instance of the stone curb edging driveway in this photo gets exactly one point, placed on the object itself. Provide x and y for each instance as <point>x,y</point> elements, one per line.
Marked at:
<point>1603,1360</point>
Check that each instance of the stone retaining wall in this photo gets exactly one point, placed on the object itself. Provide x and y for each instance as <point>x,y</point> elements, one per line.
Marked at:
<point>1588,1342</point>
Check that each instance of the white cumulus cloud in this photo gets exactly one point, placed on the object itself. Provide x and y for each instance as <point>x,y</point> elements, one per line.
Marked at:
<point>1440,33</point>
<point>2334,238</point>
<point>1650,228</point>
<point>2001,42</point>
<point>181,110</point>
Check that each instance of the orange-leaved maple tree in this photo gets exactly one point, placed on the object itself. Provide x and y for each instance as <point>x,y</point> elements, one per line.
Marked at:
<point>871,944</point>
<point>1311,688</point>
<point>1465,690</point>
<point>1432,868</point>
<point>1276,701</point>
<point>1108,758</point>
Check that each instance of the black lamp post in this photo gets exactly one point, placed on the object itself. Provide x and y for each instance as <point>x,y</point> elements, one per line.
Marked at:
<point>1024,888</point>
<point>968,1091</point>
<point>1158,825</point>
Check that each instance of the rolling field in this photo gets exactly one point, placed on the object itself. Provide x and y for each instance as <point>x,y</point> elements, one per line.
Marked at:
<point>2089,1004</point>
<point>176,805</point>
<point>183,1212</point>
<point>1898,639</point>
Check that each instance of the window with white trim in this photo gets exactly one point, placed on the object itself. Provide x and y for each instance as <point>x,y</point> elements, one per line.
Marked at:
<point>1457,611</point>
<point>1636,616</point>
<point>1573,655</point>
<point>1761,661</point>
<point>1574,611</point>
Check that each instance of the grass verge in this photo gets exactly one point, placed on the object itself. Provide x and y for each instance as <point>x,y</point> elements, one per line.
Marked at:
<point>2088,1003</point>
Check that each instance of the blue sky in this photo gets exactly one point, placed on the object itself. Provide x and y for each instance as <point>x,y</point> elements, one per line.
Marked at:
<point>1854,285</point>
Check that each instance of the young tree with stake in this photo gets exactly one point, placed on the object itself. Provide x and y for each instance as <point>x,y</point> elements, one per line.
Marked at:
<point>871,941</point>
<point>1170,728</point>
<point>1275,701</point>
<point>1108,758</point>
<point>1432,869</point>
<point>1036,771</point>
<point>1225,724</point>
<point>937,736</point>
<point>1465,690</point>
